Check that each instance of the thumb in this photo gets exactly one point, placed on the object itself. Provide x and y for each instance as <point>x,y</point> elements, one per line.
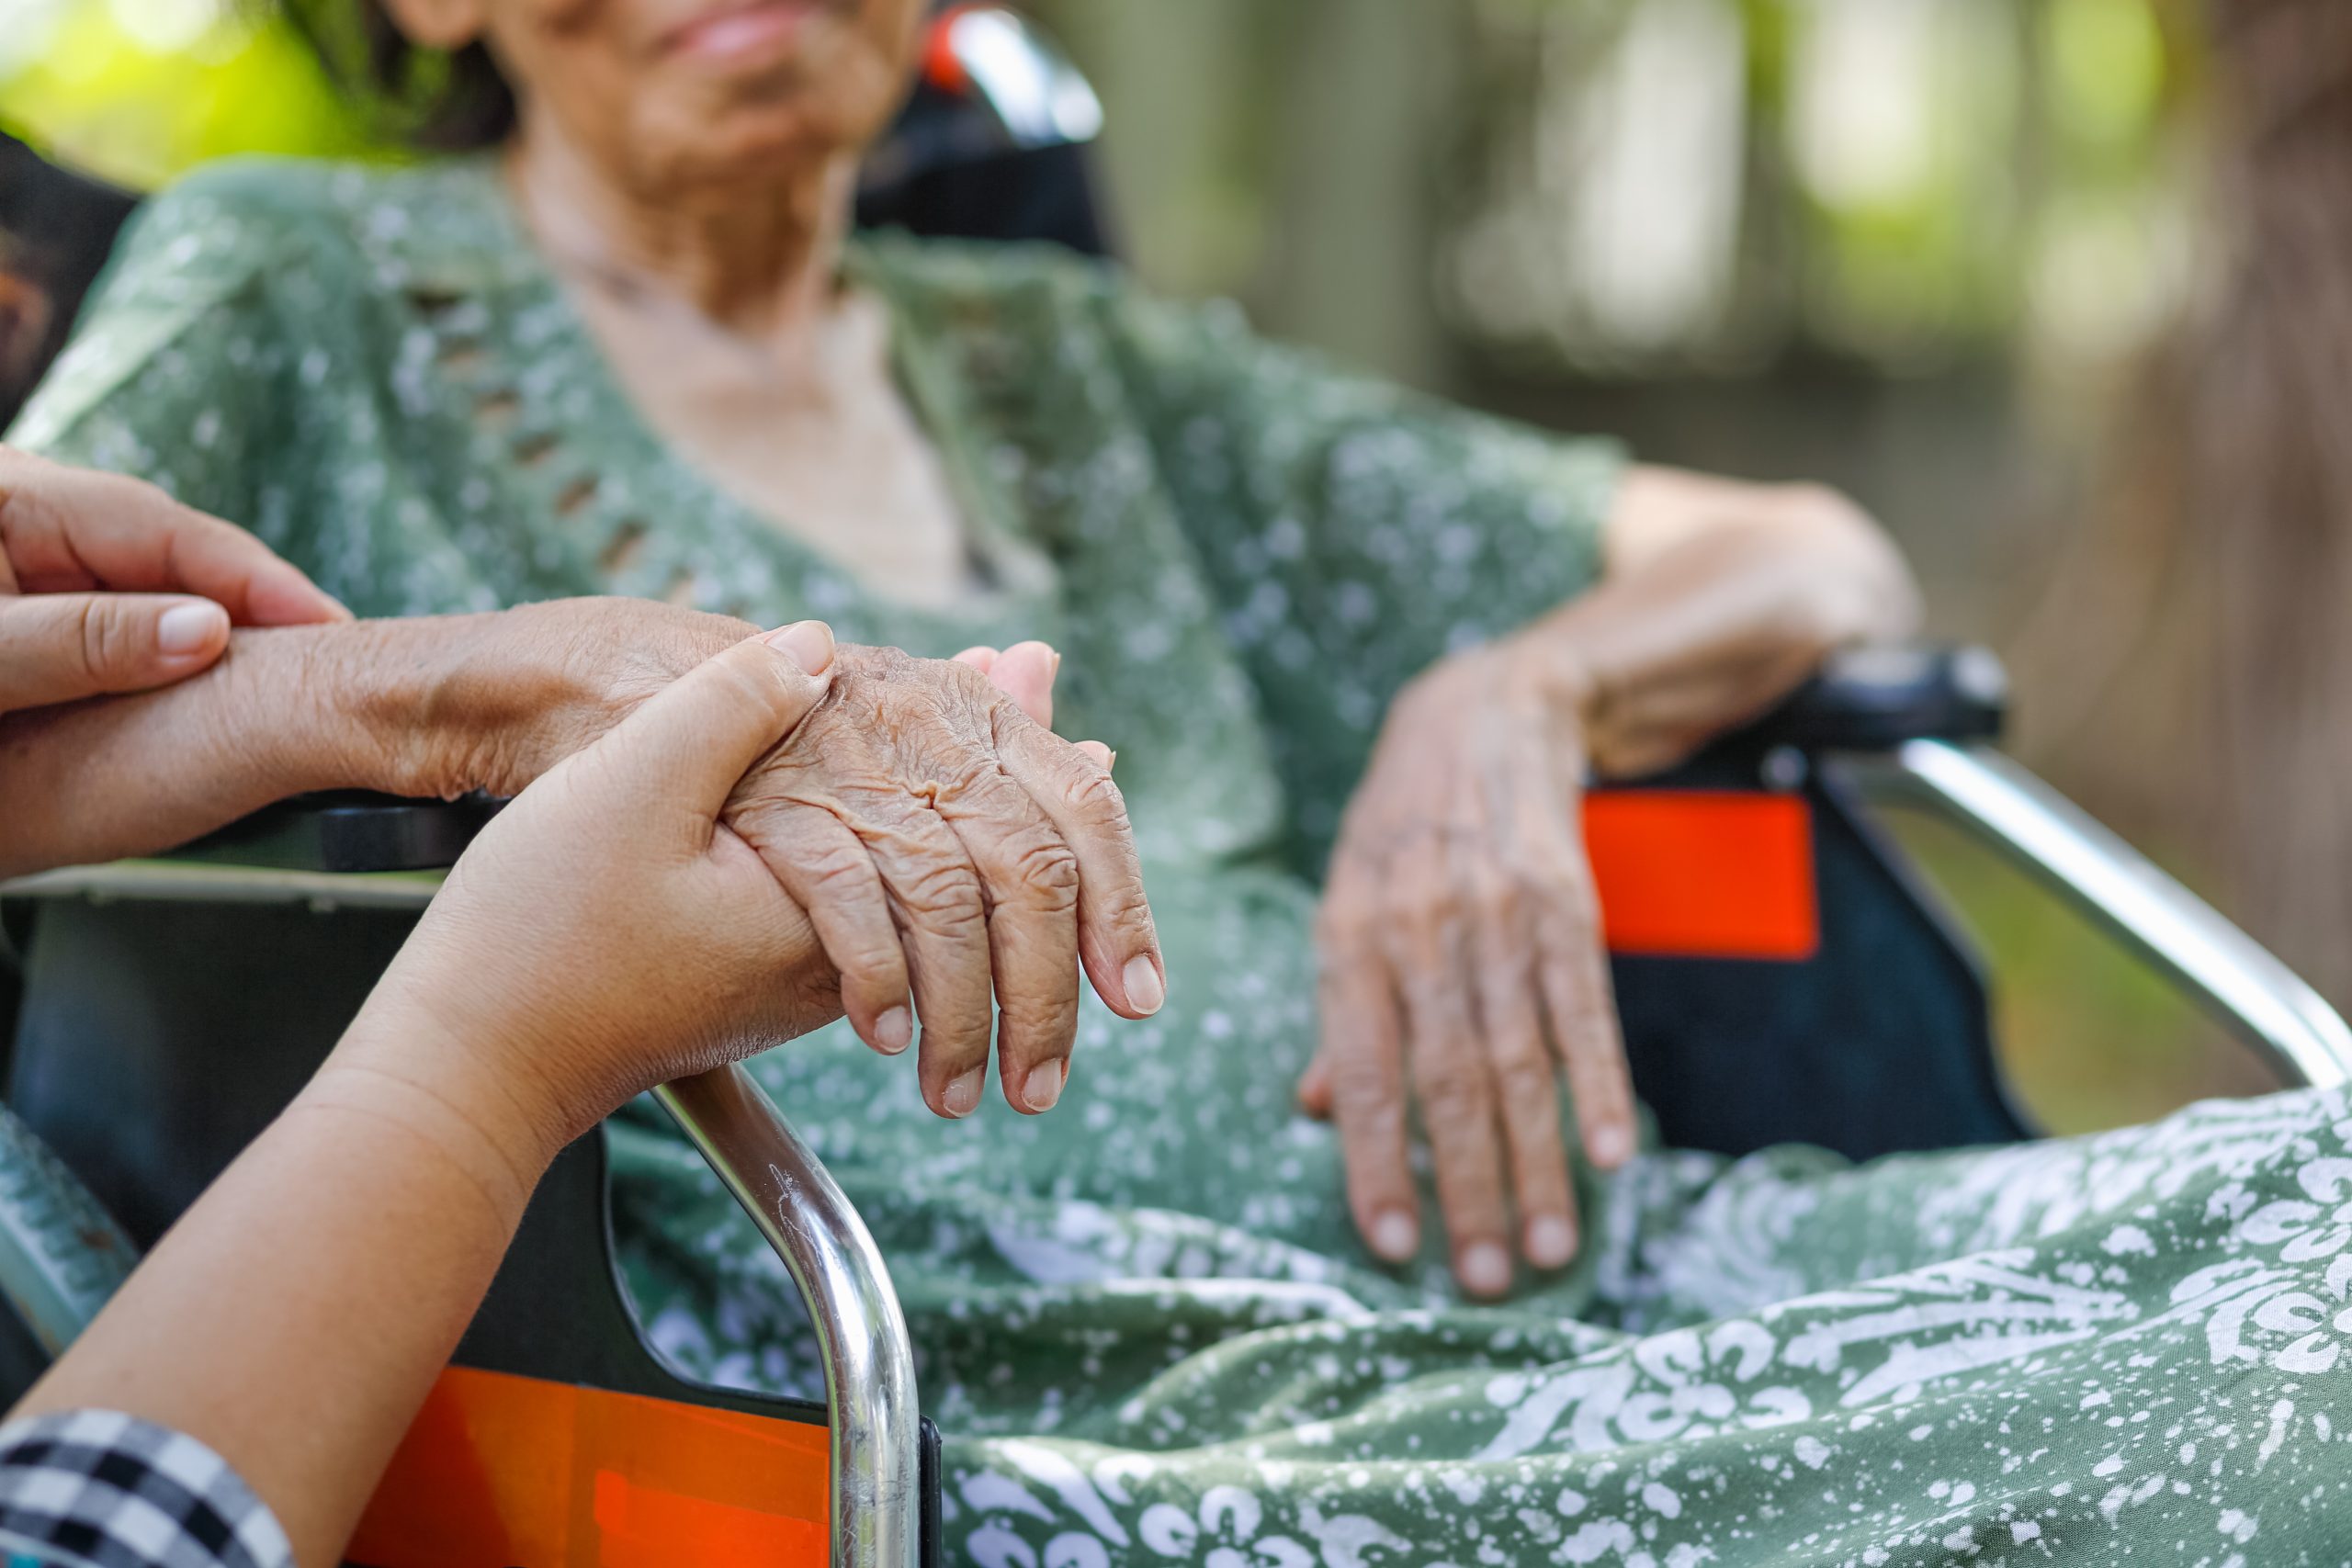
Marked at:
<point>1314,1087</point>
<point>56,648</point>
<point>687,748</point>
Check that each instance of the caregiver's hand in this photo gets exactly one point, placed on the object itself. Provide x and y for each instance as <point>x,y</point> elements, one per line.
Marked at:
<point>607,931</point>
<point>107,585</point>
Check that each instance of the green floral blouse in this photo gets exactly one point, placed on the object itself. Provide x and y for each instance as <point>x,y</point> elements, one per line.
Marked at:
<point>1145,1322</point>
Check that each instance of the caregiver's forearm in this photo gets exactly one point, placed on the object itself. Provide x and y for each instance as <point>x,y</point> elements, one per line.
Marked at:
<point>1718,599</point>
<point>294,1320</point>
<point>380,704</point>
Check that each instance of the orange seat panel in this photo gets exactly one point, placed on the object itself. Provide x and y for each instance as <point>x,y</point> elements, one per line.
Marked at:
<point>1702,873</point>
<point>504,1471</point>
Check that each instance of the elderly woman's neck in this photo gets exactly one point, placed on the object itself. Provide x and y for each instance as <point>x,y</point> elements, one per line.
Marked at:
<point>760,264</point>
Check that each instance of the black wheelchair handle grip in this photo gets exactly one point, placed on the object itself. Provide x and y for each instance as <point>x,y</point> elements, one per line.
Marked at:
<point>348,830</point>
<point>1875,699</point>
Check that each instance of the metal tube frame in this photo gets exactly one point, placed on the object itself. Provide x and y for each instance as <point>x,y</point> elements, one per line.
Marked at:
<point>876,1439</point>
<point>2231,976</point>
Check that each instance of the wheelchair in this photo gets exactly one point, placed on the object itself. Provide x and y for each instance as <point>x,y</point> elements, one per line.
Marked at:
<point>1783,974</point>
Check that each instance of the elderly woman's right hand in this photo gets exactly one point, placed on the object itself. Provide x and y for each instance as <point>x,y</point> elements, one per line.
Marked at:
<point>939,836</point>
<point>948,846</point>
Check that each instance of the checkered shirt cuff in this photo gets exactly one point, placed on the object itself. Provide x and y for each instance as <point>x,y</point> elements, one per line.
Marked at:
<point>97,1489</point>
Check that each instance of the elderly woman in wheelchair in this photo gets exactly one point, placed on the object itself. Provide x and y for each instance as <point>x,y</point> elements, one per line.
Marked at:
<point>1358,654</point>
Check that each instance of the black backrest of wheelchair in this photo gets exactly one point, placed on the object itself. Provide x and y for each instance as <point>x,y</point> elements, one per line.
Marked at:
<point>1879,1042</point>
<point>1882,1041</point>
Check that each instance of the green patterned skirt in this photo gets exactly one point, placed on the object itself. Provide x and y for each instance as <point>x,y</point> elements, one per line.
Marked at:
<point>1151,1337</point>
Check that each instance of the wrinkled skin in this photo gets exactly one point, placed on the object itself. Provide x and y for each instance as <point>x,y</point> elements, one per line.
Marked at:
<point>1462,949</point>
<point>933,829</point>
<point>946,844</point>
<point>1464,970</point>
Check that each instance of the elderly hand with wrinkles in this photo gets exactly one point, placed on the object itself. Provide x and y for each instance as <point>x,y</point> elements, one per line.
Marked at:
<point>950,850</point>
<point>1464,965</point>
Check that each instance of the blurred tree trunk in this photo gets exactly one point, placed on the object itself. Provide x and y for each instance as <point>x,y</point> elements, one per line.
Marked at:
<point>1366,114</point>
<point>2203,638</point>
<point>1288,155</point>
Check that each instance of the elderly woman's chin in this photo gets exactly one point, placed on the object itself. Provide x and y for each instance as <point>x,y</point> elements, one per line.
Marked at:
<point>746,93</point>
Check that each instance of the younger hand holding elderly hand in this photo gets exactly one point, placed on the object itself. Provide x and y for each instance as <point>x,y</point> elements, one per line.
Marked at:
<point>607,931</point>
<point>949,847</point>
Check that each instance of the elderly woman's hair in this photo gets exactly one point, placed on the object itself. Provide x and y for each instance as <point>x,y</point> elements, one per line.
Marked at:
<point>446,102</point>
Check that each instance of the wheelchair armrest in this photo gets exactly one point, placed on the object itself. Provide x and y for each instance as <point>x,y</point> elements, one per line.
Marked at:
<point>347,832</point>
<point>1871,699</point>
<point>2238,982</point>
<point>1875,699</point>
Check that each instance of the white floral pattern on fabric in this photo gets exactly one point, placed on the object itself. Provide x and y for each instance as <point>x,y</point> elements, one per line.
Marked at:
<point>1144,1321</point>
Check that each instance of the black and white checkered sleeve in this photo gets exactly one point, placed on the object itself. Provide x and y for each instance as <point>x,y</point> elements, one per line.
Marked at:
<point>96,1489</point>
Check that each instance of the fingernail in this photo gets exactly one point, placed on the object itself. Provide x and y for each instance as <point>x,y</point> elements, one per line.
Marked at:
<point>185,629</point>
<point>1113,761</point>
<point>1610,1146</point>
<point>1057,661</point>
<point>1395,1236</point>
<point>1485,1269</point>
<point>1044,1086</point>
<point>1146,990</point>
<point>1551,1241</point>
<point>810,644</point>
<point>962,1096</point>
<point>894,1031</point>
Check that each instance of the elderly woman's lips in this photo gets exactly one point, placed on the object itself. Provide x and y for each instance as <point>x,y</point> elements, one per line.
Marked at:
<point>751,33</point>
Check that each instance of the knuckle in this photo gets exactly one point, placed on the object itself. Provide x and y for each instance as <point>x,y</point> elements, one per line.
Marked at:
<point>102,640</point>
<point>1091,793</point>
<point>839,873</point>
<point>1125,906</point>
<point>1043,869</point>
<point>1369,1114</point>
<point>878,966</point>
<point>1524,1081</point>
<point>1549,880</point>
<point>1420,908</point>
<point>1346,930</point>
<point>940,891</point>
<point>1451,1100</point>
<point>1501,904</point>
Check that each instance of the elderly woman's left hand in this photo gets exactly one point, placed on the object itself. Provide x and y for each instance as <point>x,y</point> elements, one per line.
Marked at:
<point>1461,938</point>
<point>1462,967</point>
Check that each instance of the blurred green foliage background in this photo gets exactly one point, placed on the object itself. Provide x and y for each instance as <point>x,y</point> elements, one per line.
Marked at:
<point>1915,248</point>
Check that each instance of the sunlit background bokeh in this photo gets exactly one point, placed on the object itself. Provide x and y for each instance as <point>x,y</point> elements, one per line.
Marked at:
<point>1913,247</point>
